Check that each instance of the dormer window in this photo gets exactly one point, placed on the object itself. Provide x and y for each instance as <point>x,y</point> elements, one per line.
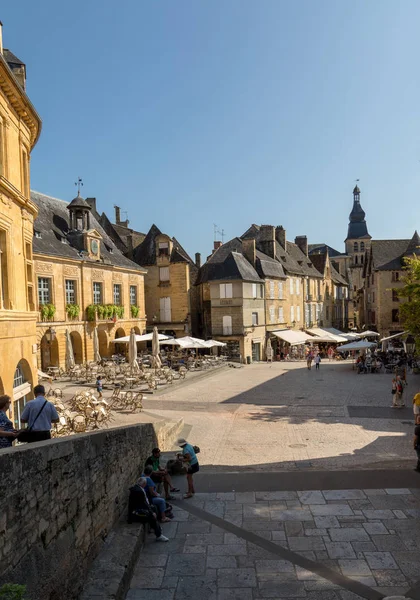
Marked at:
<point>110,250</point>
<point>38,235</point>
<point>63,240</point>
<point>163,249</point>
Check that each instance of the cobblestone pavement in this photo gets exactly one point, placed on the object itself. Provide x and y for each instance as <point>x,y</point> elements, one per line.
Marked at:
<point>318,544</point>
<point>284,417</point>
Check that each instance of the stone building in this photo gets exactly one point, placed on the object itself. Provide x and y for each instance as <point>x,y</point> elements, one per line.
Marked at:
<point>82,281</point>
<point>334,292</point>
<point>171,296</point>
<point>383,273</point>
<point>261,283</point>
<point>20,127</point>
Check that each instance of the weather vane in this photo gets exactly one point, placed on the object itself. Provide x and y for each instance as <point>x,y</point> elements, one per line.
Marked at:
<point>79,184</point>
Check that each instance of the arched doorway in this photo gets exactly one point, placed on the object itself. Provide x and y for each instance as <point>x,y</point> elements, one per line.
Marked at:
<point>136,330</point>
<point>49,353</point>
<point>76,342</point>
<point>103,342</point>
<point>120,348</point>
<point>22,390</point>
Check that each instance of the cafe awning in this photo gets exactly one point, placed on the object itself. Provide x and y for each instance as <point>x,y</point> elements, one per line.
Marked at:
<point>396,335</point>
<point>294,338</point>
<point>322,333</point>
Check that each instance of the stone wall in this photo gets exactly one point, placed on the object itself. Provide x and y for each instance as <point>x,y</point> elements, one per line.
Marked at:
<point>58,501</point>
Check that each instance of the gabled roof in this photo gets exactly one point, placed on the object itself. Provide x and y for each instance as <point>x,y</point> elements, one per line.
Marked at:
<point>145,252</point>
<point>387,254</point>
<point>233,266</point>
<point>11,58</point>
<point>337,277</point>
<point>268,267</point>
<point>319,261</point>
<point>53,224</point>
<point>321,249</point>
<point>414,245</point>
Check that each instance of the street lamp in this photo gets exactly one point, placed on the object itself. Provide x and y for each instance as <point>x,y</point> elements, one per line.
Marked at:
<point>50,335</point>
<point>410,344</point>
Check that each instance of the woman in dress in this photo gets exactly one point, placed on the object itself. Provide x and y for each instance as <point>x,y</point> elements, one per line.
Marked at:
<point>7,432</point>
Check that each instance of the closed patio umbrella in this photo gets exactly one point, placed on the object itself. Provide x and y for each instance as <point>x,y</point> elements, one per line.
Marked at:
<point>70,362</point>
<point>132,352</point>
<point>269,350</point>
<point>96,355</point>
<point>155,349</point>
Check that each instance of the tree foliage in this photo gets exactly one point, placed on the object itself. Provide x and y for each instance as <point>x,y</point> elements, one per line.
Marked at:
<point>410,310</point>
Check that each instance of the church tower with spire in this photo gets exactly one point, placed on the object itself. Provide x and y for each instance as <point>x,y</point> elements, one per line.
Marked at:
<point>358,239</point>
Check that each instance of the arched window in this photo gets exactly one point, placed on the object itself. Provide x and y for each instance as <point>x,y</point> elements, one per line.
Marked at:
<point>355,247</point>
<point>362,246</point>
<point>356,260</point>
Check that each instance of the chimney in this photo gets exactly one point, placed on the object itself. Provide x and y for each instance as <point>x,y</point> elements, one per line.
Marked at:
<point>216,245</point>
<point>1,37</point>
<point>117,215</point>
<point>197,260</point>
<point>92,203</point>
<point>281,236</point>
<point>302,242</point>
<point>248,250</point>
<point>267,240</point>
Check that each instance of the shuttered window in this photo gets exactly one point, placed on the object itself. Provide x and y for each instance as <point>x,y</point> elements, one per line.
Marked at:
<point>165,310</point>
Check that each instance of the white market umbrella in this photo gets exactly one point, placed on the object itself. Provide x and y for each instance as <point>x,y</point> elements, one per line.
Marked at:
<point>96,355</point>
<point>356,346</point>
<point>186,342</point>
<point>366,334</point>
<point>70,362</point>
<point>156,363</point>
<point>213,343</point>
<point>132,352</point>
<point>147,337</point>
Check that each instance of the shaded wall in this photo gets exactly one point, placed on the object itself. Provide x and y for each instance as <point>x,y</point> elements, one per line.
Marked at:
<point>58,501</point>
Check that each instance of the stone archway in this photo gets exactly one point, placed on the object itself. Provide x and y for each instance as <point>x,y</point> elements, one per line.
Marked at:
<point>104,349</point>
<point>120,348</point>
<point>49,353</point>
<point>22,389</point>
<point>77,343</point>
<point>137,330</point>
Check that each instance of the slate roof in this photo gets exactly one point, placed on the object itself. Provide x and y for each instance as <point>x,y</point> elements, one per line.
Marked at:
<point>233,266</point>
<point>11,58</point>
<point>387,254</point>
<point>337,277</point>
<point>321,249</point>
<point>357,223</point>
<point>268,267</point>
<point>145,253</point>
<point>319,261</point>
<point>53,224</point>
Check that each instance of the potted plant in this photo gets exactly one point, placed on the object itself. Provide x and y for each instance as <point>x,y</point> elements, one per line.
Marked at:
<point>91,312</point>
<point>134,311</point>
<point>72,310</point>
<point>100,309</point>
<point>47,312</point>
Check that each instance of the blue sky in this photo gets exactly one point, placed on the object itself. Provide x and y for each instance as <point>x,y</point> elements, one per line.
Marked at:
<point>189,113</point>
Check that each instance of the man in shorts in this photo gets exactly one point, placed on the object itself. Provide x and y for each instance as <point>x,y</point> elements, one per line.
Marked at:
<point>416,406</point>
<point>159,474</point>
<point>191,461</point>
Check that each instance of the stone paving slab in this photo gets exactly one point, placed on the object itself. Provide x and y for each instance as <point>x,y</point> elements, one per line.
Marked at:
<point>204,561</point>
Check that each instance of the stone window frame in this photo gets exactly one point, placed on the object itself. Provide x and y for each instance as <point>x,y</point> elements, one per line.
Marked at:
<point>101,292</point>
<point>68,292</point>
<point>117,294</point>
<point>133,287</point>
<point>46,293</point>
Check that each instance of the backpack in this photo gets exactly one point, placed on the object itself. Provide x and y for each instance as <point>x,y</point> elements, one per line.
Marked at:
<point>196,449</point>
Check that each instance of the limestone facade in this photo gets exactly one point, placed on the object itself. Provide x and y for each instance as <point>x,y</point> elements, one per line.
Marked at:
<point>78,266</point>
<point>20,127</point>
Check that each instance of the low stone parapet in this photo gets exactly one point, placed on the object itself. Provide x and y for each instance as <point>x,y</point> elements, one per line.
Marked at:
<point>60,499</point>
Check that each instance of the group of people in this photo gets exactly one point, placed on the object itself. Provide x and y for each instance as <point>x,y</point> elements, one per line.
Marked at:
<point>316,358</point>
<point>39,415</point>
<point>145,502</point>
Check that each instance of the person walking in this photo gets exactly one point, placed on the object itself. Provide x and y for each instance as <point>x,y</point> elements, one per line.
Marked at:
<point>317,362</point>
<point>399,394</point>
<point>309,359</point>
<point>416,442</point>
<point>189,457</point>
<point>8,433</point>
<point>394,392</point>
<point>99,386</point>
<point>39,414</point>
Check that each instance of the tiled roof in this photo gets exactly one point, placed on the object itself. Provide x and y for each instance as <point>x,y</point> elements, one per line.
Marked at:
<point>268,267</point>
<point>319,261</point>
<point>337,277</point>
<point>145,253</point>
<point>53,224</point>
<point>11,58</point>
<point>387,254</point>
<point>233,266</point>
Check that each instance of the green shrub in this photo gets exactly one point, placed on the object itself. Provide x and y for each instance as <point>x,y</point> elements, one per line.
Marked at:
<point>73,311</point>
<point>91,312</point>
<point>134,311</point>
<point>47,311</point>
<point>12,591</point>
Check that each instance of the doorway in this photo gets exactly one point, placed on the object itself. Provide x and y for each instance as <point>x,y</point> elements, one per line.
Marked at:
<point>256,352</point>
